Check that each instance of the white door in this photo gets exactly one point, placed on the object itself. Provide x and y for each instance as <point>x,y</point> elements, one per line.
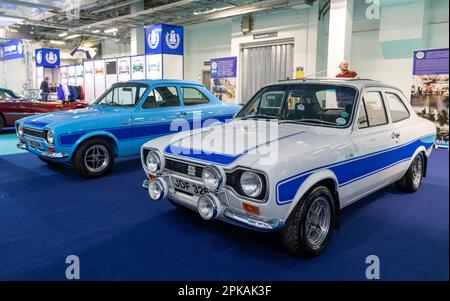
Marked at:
<point>372,143</point>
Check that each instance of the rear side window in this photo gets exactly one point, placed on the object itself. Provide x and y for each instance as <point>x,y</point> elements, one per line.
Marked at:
<point>162,97</point>
<point>397,108</point>
<point>193,97</point>
<point>375,110</point>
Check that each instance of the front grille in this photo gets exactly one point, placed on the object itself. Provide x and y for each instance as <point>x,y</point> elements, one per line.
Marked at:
<point>34,133</point>
<point>182,167</point>
<point>232,180</point>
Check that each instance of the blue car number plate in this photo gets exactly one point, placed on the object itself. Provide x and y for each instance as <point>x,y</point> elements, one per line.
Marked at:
<point>34,144</point>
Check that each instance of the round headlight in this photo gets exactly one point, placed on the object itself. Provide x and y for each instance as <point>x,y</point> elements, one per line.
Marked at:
<point>20,130</point>
<point>157,189</point>
<point>212,178</point>
<point>209,207</point>
<point>251,184</point>
<point>50,137</point>
<point>153,162</point>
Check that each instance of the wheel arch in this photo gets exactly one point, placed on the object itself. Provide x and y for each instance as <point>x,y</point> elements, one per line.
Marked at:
<point>101,134</point>
<point>326,178</point>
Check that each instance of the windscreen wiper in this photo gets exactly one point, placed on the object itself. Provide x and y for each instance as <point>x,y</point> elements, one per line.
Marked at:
<point>264,116</point>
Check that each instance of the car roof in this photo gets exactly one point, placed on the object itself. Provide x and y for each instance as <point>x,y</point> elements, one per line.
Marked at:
<point>358,83</point>
<point>166,81</point>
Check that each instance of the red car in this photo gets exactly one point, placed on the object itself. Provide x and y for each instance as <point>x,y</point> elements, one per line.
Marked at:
<point>13,108</point>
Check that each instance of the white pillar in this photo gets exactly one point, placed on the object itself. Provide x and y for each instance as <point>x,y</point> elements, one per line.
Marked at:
<point>137,34</point>
<point>340,34</point>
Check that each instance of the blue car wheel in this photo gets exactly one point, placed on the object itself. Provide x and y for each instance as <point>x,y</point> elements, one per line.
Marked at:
<point>94,158</point>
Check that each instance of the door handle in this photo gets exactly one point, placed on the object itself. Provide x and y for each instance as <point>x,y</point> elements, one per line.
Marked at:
<point>395,135</point>
<point>181,114</point>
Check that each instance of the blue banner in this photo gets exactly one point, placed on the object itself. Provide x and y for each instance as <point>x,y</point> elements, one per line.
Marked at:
<point>431,62</point>
<point>48,58</point>
<point>11,50</point>
<point>223,67</point>
<point>164,39</point>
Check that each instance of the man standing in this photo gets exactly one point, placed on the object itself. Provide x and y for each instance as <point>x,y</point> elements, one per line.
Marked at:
<point>44,89</point>
<point>345,73</point>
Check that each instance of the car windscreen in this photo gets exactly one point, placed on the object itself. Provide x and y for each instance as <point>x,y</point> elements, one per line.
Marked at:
<point>122,95</point>
<point>315,104</point>
<point>6,94</point>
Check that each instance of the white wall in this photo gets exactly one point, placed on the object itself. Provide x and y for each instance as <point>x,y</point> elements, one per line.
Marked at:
<point>204,42</point>
<point>367,58</point>
<point>13,74</point>
<point>224,38</point>
<point>111,49</point>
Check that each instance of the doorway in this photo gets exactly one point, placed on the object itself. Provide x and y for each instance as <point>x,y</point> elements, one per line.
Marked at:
<point>265,64</point>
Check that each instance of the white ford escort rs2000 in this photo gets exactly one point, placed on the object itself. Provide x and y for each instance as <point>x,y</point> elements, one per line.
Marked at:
<point>297,153</point>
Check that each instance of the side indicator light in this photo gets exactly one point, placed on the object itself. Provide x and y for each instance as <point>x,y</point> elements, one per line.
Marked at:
<point>250,208</point>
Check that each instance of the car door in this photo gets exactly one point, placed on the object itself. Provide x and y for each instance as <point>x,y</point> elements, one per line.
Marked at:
<point>372,140</point>
<point>198,107</point>
<point>155,115</point>
<point>403,126</point>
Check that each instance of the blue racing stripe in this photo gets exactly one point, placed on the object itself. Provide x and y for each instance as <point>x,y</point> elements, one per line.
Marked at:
<point>352,170</point>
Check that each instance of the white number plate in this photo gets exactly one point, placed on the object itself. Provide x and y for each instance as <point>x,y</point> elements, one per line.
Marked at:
<point>189,187</point>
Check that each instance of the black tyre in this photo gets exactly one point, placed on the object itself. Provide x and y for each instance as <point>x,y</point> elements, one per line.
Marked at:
<point>47,161</point>
<point>2,123</point>
<point>412,180</point>
<point>94,158</point>
<point>308,228</point>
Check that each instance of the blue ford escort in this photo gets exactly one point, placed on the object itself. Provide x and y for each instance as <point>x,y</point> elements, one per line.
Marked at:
<point>126,116</point>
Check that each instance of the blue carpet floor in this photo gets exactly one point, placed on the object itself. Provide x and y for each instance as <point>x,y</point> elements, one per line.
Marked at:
<point>47,214</point>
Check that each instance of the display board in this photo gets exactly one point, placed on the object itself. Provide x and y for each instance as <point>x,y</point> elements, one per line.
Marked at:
<point>72,81</point>
<point>111,72</point>
<point>429,90</point>
<point>164,51</point>
<point>79,75</point>
<point>48,58</point>
<point>64,75</point>
<point>138,67</point>
<point>123,69</point>
<point>11,50</point>
<point>89,84</point>
<point>223,78</point>
<point>99,78</point>
<point>153,67</point>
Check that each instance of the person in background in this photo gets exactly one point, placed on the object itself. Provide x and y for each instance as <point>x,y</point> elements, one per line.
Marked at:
<point>44,89</point>
<point>345,73</point>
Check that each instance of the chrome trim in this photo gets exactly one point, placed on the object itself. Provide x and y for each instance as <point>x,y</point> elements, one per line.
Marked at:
<point>145,184</point>
<point>258,224</point>
<point>54,155</point>
<point>22,146</point>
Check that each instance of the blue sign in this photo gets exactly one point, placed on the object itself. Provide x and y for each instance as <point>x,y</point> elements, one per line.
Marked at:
<point>430,62</point>
<point>11,50</point>
<point>164,39</point>
<point>223,67</point>
<point>48,58</point>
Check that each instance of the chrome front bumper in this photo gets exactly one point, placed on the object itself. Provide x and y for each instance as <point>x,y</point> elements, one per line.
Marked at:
<point>45,154</point>
<point>228,215</point>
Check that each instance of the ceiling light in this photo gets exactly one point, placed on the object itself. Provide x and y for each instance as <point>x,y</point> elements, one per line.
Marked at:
<point>61,35</point>
<point>72,36</point>
<point>111,30</point>
<point>96,31</point>
<point>57,42</point>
